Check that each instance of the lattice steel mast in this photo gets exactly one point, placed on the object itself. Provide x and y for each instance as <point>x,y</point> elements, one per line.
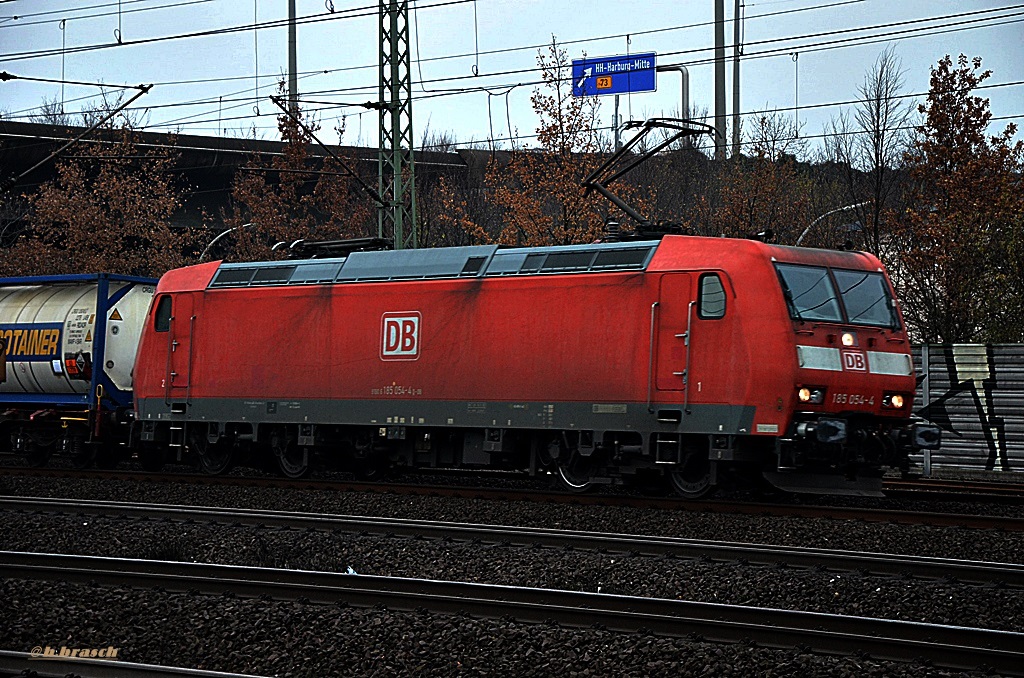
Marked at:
<point>396,177</point>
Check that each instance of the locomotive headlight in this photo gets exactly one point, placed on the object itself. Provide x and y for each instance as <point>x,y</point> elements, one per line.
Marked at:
<point>849,339</point>
<point>893,401</point>
<point>811,395</point>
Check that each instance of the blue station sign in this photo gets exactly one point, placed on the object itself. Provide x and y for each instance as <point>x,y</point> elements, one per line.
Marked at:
<point>614,75</point>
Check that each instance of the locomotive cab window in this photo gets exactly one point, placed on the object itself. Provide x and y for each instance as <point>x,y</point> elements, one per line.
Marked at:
<point>866,298</point>
<point>711,303</point>
<point>162,317</point>
<point>809,292</point>
<point>838,295</point>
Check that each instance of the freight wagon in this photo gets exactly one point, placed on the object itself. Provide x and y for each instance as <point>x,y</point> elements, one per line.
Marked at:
<point>67,348</point>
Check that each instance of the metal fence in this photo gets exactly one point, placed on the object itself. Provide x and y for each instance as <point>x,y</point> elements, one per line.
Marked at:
<point>975,393</point>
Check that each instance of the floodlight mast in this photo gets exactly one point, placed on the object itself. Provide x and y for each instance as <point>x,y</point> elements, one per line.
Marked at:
<point>616,166</point>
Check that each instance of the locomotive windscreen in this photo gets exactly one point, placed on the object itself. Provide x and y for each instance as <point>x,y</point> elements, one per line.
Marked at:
<point>863,297</point>
<point>866,297</point>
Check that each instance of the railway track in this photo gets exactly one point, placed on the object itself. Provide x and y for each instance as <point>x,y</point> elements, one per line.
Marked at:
<point>31,664</point>
<point>947,646</point>
<point>801,510</point>
<point>1009,574</point>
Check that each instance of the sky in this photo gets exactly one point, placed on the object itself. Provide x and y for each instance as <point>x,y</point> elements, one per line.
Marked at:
<point>475,61</point>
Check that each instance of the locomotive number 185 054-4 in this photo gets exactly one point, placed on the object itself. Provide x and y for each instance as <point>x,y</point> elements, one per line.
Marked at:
<point>852,399</point>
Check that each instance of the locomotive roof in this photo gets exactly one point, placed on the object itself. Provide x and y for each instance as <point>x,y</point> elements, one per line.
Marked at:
<point>441,262</point>
<point>673,253</point>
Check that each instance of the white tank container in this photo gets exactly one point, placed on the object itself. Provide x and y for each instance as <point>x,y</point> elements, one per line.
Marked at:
<point>45,323</point>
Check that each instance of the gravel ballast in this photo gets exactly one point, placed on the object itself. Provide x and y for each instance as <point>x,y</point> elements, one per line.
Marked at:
<point>217,631</point>
<point>292,639</point>
<point>847,593</point>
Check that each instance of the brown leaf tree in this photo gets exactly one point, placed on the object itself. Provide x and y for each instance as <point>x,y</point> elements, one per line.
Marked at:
<point>297,195</point>
<point>766,191</point>
<point>109,208</point>
<point>959,276</point>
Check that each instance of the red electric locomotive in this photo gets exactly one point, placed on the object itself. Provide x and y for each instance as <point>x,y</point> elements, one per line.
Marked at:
<point>684,357</point>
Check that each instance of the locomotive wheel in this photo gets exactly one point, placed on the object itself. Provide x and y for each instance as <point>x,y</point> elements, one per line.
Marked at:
<point>292,460</point>
<point>151,457</point>
<point>576,471</point>
<point>214,458</point>
<point>692,480</point>
<point>373,468</point>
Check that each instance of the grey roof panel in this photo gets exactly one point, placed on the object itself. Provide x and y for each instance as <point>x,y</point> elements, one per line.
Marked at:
<point>438,262</point>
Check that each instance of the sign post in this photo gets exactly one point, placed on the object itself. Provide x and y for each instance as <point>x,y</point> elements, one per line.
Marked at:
<point>614,75</point>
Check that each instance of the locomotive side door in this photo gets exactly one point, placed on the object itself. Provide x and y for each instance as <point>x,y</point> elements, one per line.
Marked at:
<point>715,361</point>
<point>673,317</point>
<point>695,342</point>
<point>179,347</point>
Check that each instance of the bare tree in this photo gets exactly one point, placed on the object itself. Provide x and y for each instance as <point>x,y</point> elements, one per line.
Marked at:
<point>773,136</point>
<point>868,147</point>
<point>439,141</point>
<point>110,100</point>
<point>51,112</point>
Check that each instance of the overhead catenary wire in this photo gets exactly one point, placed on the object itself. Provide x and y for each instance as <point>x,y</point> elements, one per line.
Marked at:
<point>368,88</point>
<point>273,23</point>
<point>987,21</point>
<point>750,113</point>
<point>864,39</point>
<point>68,11</point>
<point>784,50</point>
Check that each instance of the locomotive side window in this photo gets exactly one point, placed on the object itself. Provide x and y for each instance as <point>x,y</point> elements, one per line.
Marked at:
<point>711,304</point>
<point>162,317</point>
<point>809,293</point>
<point>866,298</point>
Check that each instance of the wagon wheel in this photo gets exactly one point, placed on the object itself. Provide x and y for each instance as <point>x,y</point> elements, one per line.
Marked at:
<point>576,471</point>
<point>292,460</point>
<point>82,455</point>
<point>692,478</point>
<point>37,456</point>
<point>214,458</point>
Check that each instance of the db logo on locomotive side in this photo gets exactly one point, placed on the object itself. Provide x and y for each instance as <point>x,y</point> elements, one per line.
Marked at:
<point>853,361</point>
<point>400,336</point>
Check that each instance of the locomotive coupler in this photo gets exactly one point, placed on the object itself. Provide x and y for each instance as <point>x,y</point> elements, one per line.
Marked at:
<point>823,430</point>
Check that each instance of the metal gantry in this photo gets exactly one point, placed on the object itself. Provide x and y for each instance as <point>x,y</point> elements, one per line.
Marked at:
<point>396,177</point>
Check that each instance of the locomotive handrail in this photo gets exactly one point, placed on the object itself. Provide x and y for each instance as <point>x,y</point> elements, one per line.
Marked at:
<point>686,366</point>
<point>188,377</point>
<point>650,359</point>
<point>167,369</point>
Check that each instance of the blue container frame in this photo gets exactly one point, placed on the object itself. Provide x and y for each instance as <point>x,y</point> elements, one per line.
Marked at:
<point>113,396</point>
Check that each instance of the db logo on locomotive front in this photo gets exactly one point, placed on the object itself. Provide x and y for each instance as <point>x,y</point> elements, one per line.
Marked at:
<point>400,336</point>
<point>853,361</point>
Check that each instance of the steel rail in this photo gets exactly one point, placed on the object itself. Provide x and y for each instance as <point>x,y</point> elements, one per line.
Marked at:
<point>1009,574</point>
<point>950,646</point>
<point>27,663</point>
